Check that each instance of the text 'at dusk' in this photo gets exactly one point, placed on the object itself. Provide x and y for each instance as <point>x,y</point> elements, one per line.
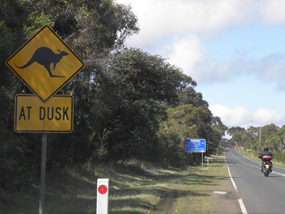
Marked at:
<point>32,115</point>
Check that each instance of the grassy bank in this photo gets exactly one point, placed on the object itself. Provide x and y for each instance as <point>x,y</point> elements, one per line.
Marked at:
<point>134,188</point>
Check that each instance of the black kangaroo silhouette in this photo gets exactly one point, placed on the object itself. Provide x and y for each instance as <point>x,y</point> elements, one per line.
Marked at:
<point>45,56</point>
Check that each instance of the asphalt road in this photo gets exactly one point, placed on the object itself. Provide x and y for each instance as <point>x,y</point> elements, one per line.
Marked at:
<point>259,194</point>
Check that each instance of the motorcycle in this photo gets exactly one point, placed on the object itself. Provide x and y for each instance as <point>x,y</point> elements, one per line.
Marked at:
<point>266,165</point>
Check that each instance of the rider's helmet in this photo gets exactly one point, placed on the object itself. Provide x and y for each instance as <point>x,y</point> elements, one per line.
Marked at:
<point>266,149</point>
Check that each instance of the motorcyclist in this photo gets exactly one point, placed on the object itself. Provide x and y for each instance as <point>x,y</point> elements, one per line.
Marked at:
<point>265,153</point>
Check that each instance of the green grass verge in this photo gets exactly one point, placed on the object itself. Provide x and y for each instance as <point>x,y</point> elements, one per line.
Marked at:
<point>134,188</point>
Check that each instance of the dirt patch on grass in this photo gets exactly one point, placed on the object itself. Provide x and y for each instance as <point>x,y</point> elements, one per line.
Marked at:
<point>225,203</point>
<point>204,190</point>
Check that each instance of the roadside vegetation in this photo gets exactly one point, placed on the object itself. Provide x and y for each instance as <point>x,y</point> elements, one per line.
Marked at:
<point>129,106</point>
<point>135,187</point>
<point>271,136</point>
<point>128,103</point>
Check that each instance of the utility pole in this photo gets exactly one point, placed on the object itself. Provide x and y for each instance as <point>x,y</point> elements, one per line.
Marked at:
<point>259,131</point>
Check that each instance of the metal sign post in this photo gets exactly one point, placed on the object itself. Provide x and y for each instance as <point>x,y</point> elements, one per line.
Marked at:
<point>49,113</point>
<point>43,174</point>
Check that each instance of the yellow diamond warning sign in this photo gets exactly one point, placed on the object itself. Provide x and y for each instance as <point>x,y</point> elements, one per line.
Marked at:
<point>34,116</point>
<point>45,63</point>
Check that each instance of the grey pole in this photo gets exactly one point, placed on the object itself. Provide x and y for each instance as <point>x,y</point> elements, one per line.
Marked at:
<point>188,158</point>
<point>259,131</point>
<point>202,158</point>
<point>43,174</point>
<point>259,134</point>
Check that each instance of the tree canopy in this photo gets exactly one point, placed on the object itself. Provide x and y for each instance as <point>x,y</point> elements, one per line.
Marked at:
<point>128,103</point>
<point>271,136</point>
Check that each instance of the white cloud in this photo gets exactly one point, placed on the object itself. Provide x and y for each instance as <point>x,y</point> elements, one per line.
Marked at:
<point>211,71</point>
<point>265,116</point>
<point>173,29</point>
<point>184,53</point>
<point>189,53</point>
<point>272,11</point>
<point>161,18</point>
<point>231,116</point>
<point>269,69</point>
<point>240,116</point>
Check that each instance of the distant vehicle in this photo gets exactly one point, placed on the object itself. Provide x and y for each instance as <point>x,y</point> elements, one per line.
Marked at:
<point>227,149</point>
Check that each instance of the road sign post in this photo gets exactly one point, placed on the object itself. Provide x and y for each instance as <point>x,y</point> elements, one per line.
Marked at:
<point>195,145</point>
<point>43,174</point>
<point>45,64</point>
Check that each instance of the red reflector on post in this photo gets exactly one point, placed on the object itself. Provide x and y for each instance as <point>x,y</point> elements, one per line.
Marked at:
<point>102,189</point>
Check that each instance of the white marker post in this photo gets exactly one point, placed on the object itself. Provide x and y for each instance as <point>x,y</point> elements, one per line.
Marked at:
<point>102,196</point>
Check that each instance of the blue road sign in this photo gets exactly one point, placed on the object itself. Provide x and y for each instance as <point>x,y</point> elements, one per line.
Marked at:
<point>195,145</point>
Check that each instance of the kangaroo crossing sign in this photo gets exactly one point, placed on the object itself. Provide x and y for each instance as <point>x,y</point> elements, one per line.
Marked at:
<point>45,63</point>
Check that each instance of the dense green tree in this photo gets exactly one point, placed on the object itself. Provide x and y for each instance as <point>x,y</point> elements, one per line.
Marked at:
<point>229,143</point>
<point>271,136</point>
<point>141,85</point>
<point>12,156</point>
<point>93,29</point>
<point>190,96</point>
<point>148,77</point>
<point>254,131</point>
<point>236,129</point>
<point>281,130</point>
<point>216,122</point>
<point>187,121</point>
<point>121,96</point>
<point>271,129</point>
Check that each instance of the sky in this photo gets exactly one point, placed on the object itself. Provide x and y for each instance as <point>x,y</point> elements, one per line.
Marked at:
<point>233,49</point>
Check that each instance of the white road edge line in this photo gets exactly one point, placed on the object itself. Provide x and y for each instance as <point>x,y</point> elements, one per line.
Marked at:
<point>242,207</point>
<point>241,204</point>
<point>232,180</point>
